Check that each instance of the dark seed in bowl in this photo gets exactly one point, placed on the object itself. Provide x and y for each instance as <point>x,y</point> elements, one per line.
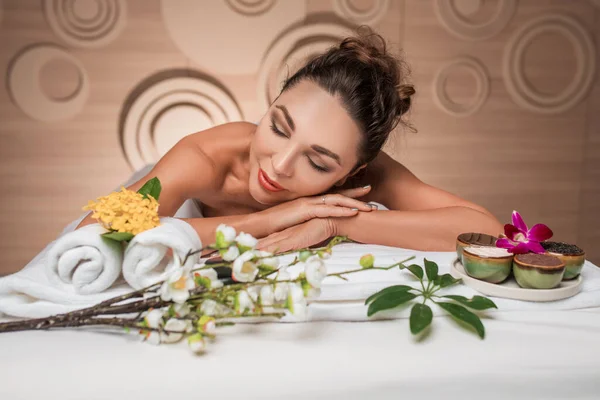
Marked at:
<point>562,248</point>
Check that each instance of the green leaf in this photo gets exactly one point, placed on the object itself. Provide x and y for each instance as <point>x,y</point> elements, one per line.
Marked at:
<point>462,314</point>
<point>391,289</point>
<point>445,280</point>
<point>420,318</point>
<point>476,303</point>
<point>416,270</point>
<point>118,236</point>
<point>152,188</point>
<point>390,300</point>
<point>431,269</point>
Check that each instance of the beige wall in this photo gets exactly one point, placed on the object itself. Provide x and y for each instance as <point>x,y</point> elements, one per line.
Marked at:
<point>95,89</point>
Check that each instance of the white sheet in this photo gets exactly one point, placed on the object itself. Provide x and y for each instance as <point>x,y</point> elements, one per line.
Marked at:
<point>526,355</point>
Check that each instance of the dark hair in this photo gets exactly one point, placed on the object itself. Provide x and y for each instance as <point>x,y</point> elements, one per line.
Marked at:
<point>370,83</point>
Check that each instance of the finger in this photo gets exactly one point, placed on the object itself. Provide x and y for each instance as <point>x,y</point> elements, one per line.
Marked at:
<point>325,211</point>
<point>355,192</point>
<point>343,201</point>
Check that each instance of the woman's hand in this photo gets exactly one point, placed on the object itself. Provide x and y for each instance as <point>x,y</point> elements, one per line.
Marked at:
<point>300,236</point>
<point>295,212</point>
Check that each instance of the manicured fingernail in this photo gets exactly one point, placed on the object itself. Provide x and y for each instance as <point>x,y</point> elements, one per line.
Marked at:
<point>374,206</point>
<point>355,209</point>
<point>366,187</point>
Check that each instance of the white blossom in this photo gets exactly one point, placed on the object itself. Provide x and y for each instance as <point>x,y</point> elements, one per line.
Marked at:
<point>177,286</point>
<point>243,302</point>
<point>208,307</point>
<point>246,241</point>
<point>315,271</point>
<point>231,254</point>
<point>173,324</point>
<point>210,274</point>
<point>266,295</point>
<point>154,318</point>
<point>296,302</point>
<point>225,236</point>
<point>181,310</point>
<point>244,269</point>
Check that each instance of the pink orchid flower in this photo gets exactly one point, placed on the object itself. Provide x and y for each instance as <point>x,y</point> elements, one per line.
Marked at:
<point>519,239</point>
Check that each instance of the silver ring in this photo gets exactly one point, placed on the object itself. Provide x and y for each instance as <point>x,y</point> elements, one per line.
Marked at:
<point>323,199</point>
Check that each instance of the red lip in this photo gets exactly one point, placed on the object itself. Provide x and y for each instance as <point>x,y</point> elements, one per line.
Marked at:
<point>267,183</point>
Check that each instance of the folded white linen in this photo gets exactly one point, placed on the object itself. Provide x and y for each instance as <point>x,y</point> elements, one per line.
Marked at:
<point>146,260</point>
<point>29,293</point>
<point>344,300</point>
<point>84,262</point>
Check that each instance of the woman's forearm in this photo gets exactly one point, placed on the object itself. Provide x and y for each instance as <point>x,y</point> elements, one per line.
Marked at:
<point>429,230</point>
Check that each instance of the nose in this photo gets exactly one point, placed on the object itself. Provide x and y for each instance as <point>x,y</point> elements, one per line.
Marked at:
<point>282,161</point>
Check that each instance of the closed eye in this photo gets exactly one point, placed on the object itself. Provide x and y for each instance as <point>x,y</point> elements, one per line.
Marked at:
<point>278,132</point>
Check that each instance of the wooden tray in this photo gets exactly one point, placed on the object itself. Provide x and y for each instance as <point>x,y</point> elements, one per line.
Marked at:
<point>510,289</point>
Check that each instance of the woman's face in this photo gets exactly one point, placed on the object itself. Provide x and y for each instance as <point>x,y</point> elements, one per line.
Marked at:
<point>305,143</point>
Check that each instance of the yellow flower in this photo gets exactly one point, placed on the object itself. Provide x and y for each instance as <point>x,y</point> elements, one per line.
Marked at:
<point>125,211</point>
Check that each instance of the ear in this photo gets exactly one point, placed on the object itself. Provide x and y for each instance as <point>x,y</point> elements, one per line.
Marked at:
<point>343,180</point>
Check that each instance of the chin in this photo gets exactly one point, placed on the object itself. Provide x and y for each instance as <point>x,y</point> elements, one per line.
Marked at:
<point>260,197</point>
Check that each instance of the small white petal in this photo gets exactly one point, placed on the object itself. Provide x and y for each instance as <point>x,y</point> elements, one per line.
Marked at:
<point>281,291</point>
<point>153,338</point>
<point>181,309</point>
<point>244,270</point>
<point>173,324</point>
<point>227,231</point>
<point>246,240</point>
<point>244,302</point>
<point>231,254</point>
<point>210,327</point>
<point>180,296</point>
<point>315,271</point>
<point>267,296</point>
<point>154,318</point>
<point>208,307</point>
<point>253,291</point>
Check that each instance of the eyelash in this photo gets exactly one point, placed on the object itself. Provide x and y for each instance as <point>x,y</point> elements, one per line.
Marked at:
<point>279,133</point>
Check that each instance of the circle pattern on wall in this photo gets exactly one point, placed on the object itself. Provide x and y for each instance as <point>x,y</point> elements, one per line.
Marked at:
<point>86,23</point>
<point>288,53</point>
<point>450,16</point>
<point>482,88</point>
<point>251,7</point>
<point>202,31</point>
<point>596,3</point>
<point>521,91</point>
<point>167,106</point>
<point>370,16</point>
<point>27,93</point>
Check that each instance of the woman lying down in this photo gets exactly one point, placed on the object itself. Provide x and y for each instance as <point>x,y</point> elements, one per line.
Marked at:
<point>309,168</point>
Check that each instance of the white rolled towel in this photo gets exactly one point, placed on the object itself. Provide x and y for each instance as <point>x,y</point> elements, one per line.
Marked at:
<point>83,262</point>
<point>146,261</point>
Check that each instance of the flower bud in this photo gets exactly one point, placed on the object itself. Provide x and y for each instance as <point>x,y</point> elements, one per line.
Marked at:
<point>367,261</point>
<point>196,343</point>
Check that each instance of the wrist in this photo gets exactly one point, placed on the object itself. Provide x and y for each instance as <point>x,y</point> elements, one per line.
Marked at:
<point>332,226</point>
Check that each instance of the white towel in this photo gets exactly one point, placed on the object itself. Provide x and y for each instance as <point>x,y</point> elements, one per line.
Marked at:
<point>29,293</point>
<point>344,300</point>
<point>83,262</point>
<point>146,261</point>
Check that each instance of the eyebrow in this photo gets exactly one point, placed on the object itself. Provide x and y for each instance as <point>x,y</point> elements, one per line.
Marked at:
<point>287,116</point>
<point>315,147</point>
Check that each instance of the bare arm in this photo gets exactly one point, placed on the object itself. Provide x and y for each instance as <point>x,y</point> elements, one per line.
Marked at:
<point>421,217</point>
<point>186,171</point>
